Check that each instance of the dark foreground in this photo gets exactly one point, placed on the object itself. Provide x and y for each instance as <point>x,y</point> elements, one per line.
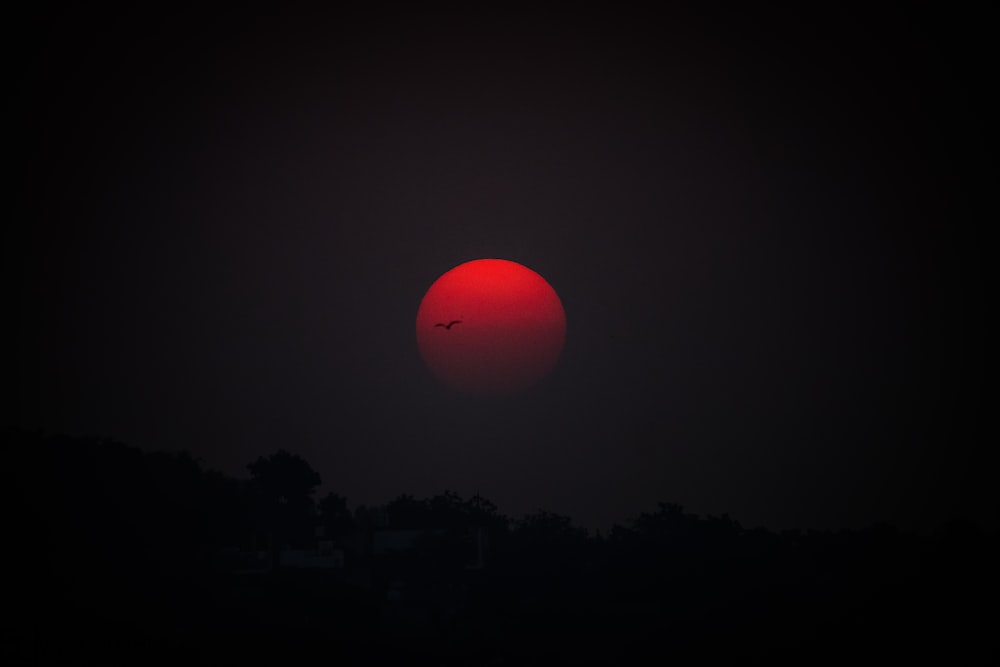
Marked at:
<point>123,557</point>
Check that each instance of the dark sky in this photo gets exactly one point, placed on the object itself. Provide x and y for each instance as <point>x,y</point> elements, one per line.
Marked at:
<point>761,226</point>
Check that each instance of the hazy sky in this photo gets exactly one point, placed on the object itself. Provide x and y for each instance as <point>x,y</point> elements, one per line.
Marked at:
<point>759,225</point>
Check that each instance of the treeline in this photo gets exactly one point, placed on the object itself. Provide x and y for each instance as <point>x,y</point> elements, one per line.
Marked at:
<point>111,537</point>
<point>93,490</point>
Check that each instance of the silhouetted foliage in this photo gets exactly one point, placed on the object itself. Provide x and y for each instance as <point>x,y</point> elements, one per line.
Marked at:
<point>335,515</point>
<point>284,484</point>
<point>112,537</point>
<point>547,528</point>
<point>446,510</point>
<point>284,478</point>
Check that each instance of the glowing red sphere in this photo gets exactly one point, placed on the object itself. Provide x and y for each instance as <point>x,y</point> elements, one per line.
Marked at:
<point>491,326</point>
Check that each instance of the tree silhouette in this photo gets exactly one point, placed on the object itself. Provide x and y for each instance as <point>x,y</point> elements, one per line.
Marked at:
<point>334,515</point>
<point>284,477</point>
<point>405,511</point>
<point>148,533</point>
<point>549,529</point>
<point>284,484</point>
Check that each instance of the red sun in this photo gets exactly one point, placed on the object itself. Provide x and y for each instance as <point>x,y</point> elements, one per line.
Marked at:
<point>491,326</point>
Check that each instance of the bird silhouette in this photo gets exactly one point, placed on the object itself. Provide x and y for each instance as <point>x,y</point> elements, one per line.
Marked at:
<point>449,325</point>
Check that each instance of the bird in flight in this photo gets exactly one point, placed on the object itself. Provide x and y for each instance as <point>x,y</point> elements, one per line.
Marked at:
<point>449,325</point>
